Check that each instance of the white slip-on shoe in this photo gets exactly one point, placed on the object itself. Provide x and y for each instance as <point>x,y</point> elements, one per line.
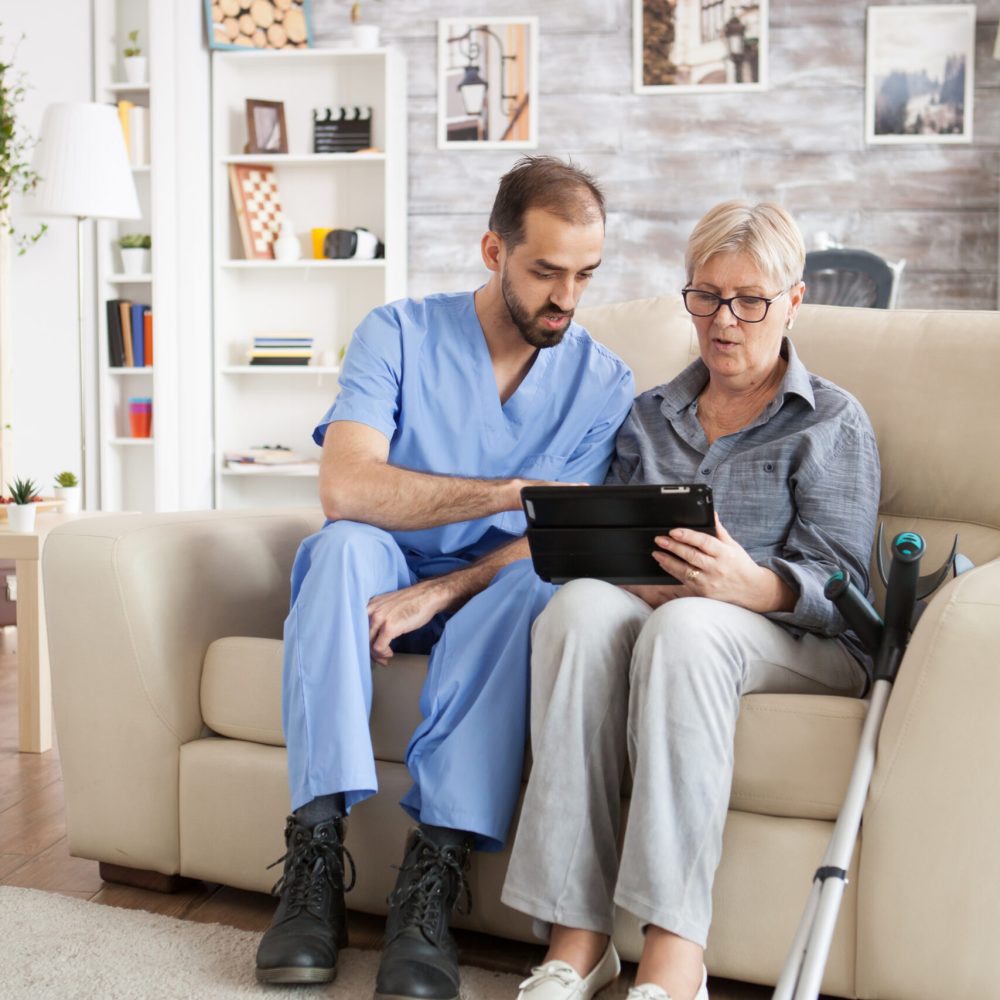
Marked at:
<point>560,981</point>
<point>650,991</point>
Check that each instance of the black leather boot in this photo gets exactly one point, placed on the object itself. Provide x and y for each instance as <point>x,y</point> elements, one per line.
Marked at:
<point>420,961</point>
<point>310,923</point>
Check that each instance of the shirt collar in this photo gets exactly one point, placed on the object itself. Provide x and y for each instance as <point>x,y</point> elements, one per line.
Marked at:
<point>681,392</point>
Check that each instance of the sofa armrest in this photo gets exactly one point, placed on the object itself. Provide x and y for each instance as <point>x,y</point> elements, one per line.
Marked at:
<point>132,604</point>
<point>929,879</point>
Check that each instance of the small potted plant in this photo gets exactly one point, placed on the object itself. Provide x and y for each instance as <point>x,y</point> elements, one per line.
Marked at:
<point>134,61</point>
<point>21,510</point>
<point>363,36</point>
<point>67,489</point>
<point>136,256</point>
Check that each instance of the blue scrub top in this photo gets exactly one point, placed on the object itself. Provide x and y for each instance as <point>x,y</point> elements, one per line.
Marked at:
<point>419,371</point>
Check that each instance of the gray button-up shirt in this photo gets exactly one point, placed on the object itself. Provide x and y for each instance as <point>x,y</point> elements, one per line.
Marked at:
<point>798,488</point>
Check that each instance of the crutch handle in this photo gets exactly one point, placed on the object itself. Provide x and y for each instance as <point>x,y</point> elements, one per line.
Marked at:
<point>900,598</point>
<point>855,609</point>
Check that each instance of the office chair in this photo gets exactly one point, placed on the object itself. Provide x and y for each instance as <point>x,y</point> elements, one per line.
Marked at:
<point>845,277</point>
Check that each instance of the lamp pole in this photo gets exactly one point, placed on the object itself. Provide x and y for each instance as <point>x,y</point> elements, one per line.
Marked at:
<point>81,354</point>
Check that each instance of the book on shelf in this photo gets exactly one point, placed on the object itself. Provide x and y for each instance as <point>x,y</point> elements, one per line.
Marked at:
<point>116,348</point>
<point>125,310</point>
<point>138,334</point>
<point>134,120</point>
<point>138,136</point>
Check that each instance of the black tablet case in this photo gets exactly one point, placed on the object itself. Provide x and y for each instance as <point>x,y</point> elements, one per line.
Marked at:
<point>607,532</point>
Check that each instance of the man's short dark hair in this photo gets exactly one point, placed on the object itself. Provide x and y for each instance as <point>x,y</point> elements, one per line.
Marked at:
<point>544,182</point>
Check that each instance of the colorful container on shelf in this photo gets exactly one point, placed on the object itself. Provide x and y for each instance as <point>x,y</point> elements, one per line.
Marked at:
<point>140,416</point>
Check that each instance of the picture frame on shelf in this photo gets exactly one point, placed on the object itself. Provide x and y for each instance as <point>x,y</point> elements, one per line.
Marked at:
<point>266,132</point>
<point>257,203</point>
<point>488,83</point>
<point>266,24</point>
<point>919,74</point>
<point>689,46</point>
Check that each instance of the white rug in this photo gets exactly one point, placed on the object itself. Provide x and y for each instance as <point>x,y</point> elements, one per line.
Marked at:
<point>59,948</point>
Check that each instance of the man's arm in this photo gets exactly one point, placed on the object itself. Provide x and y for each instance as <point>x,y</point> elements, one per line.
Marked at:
<point>401,611</point>
<point>356,483</point>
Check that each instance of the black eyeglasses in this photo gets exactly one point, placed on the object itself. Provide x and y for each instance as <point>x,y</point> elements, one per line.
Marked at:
<point>746,308</point>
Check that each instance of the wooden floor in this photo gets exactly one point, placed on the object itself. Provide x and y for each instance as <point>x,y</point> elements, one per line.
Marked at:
<point>34,855</point>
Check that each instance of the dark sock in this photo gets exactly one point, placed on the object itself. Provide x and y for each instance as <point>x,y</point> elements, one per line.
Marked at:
<point>442,836</point>
<point>321,809</point>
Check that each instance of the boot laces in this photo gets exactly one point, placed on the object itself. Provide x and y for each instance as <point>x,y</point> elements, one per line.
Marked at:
<point>315,861</point>
<point>439,880</point>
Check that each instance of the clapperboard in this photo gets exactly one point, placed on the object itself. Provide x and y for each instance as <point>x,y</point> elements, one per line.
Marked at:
<point>342,130</point>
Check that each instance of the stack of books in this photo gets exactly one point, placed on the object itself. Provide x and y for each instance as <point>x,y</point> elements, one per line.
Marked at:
<point>135,127</point>
<point>270,459</point>
<point>281,351</point>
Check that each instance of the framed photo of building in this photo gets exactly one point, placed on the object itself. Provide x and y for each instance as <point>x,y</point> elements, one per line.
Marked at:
<point>919,73</point>
<point>488,83</point>
<point>696,46</point>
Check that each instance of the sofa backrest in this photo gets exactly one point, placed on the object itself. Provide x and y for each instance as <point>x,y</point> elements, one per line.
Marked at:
<point>929,380</point>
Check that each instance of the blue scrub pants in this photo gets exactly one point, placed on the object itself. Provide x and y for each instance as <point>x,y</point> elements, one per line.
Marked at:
<point>466,757</point>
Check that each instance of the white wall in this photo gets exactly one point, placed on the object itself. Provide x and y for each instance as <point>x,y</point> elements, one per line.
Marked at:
<point>55,55</point>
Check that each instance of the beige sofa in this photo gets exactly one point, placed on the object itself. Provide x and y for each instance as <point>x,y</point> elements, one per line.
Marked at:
<point>165,648</point>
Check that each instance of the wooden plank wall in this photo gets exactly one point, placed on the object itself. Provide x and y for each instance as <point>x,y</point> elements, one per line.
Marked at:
<point>664,160</point>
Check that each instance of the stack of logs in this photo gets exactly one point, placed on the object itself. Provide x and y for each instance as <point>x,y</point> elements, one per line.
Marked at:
<point>261,24</point>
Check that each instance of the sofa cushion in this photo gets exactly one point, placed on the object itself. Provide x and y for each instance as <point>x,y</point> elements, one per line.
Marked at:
<point>794,753</point>
<point>241,695</point>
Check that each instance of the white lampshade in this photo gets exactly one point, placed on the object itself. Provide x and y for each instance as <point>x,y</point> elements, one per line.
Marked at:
<point>83,165</point>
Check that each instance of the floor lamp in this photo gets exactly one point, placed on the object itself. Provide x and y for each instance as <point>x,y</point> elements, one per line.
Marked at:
<point>84,169</point>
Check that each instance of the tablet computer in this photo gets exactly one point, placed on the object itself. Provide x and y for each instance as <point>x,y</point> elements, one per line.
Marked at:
<point>607,532</point>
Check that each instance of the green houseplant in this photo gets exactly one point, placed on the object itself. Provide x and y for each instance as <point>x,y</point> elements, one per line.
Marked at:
<point>21,511</point>
<point>133,60</point>
<point>16,175</point>
<point>67,489</point>
<point>135,252</point>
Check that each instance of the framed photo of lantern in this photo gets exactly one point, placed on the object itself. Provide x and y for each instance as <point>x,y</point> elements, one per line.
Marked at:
<point>696,46</point>
<point>488,83</point>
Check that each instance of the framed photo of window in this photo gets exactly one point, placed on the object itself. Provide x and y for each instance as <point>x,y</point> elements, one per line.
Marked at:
<point>266,131</point>
<point>488,83</point>
<point>919,73</point>
<point>694,46</point>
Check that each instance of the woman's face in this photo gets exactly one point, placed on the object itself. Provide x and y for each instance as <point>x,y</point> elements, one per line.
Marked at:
<point>740,353</point>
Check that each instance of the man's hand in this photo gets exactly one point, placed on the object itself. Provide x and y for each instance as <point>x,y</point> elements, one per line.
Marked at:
<point>720,568</point>
<point>400,611</point>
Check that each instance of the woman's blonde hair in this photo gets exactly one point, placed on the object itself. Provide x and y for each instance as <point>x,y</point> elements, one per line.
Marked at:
<point>765,232</point>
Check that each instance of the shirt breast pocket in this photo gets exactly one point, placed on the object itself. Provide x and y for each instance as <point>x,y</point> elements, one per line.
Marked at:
<point>762,502</point>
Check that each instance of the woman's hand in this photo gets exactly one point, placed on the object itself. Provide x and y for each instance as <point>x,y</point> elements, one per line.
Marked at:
<point>720,568</point>
<point>654,594</point>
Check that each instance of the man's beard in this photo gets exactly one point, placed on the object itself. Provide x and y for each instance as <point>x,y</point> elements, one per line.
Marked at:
<point>530,326</point>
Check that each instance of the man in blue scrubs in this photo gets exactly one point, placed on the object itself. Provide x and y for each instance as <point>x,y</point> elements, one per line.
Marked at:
<point>448,406</point>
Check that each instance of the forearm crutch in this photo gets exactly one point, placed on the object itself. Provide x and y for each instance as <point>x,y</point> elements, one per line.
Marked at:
<point>803,972</point>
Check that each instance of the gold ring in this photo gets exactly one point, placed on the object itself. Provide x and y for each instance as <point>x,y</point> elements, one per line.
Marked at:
<point>693,574</point>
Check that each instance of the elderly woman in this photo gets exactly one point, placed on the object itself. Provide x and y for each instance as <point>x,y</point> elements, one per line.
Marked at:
<point>657,672</point>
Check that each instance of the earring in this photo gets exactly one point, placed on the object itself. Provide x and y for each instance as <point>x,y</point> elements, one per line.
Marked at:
<point>789,323</point>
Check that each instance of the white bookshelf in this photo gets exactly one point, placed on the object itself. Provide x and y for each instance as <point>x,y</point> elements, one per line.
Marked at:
<point>257,406</point>
<point>141,474</point>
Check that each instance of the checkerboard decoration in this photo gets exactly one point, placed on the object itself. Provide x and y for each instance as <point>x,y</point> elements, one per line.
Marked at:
<point>258,208</point>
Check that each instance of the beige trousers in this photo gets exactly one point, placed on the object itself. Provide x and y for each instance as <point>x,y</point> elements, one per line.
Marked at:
<point>614,682</point>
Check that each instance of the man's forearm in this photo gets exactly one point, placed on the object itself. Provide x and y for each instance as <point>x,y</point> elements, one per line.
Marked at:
<point>396,499</point>
<point>462,585</point>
